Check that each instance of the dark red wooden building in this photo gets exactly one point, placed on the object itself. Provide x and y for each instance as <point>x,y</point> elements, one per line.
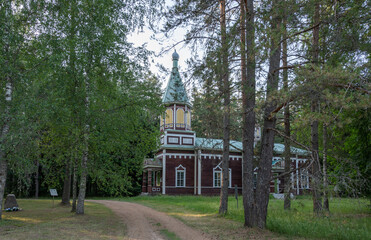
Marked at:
<point>186,164</point>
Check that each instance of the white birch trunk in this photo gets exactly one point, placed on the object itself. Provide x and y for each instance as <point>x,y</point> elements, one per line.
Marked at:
<point>85,154</point>
<point>4,133</point>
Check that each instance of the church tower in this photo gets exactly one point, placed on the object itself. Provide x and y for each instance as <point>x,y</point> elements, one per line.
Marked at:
<point>175,99</point>
<point>176,151</point>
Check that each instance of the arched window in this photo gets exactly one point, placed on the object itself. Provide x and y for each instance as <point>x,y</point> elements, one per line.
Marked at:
<point>180,116</point>
<point>180,176</point>
<point>189,118</point>
<point>217,177</point>
<point>169,116</point>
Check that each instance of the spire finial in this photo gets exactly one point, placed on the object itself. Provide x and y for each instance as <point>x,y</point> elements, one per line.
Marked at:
<point>175,56</point>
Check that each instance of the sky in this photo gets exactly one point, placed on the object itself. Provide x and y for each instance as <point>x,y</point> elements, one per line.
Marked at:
<point>157,43</point>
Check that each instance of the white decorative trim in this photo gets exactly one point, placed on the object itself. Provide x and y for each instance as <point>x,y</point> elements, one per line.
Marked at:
<point>181,136</point>
<point>177,155</point>
<point>199,172</point>
<point>190,155</point>
<point>195,176</point>
<point>219,156</point>
<point>164,173</point>
<point>176,175</point>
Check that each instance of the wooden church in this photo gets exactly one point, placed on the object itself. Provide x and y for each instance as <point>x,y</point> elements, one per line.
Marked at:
<point>187,164</point>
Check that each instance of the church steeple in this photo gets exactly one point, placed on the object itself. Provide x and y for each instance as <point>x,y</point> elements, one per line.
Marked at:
<point>175,91</point>
<point>175,99</point>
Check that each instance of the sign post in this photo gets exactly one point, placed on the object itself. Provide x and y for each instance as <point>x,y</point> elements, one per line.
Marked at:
<point>236,193</point>
<point>53,193</point>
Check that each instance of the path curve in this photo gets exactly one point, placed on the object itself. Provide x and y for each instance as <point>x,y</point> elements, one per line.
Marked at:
<point>142,221</point>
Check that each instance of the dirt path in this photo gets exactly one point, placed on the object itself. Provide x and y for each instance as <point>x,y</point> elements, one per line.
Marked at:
<point>145,223</point>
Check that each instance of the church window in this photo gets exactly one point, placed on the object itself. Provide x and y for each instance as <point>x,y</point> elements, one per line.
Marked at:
<point>180,174</point>
<point>217,177</point>
<point>169,116</point>
<point>180,116</point>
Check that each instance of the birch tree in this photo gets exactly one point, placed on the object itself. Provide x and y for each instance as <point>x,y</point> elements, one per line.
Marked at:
<point>14,21</point>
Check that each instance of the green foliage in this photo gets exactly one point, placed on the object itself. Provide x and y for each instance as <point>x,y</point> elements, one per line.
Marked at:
<point>65,53</point>
<point>350,154</point>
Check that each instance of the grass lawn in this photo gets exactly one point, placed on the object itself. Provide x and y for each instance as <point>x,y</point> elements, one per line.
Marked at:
<point>349,218</point>
<point>39,220</point>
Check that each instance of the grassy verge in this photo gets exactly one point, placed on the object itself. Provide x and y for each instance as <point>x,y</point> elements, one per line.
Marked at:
<point>39,220</point>
<point>201,213</point>
<point>349,218</point>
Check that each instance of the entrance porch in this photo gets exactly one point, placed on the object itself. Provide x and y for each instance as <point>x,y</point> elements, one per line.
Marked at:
<point>152,177</point>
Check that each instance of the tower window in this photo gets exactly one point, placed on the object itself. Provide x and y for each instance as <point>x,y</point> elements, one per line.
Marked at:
<point>180,116</point>
<point>169,116</point>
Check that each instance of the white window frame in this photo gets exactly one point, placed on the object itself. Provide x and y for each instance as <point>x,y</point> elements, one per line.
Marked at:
<point>304,179</point>
<point>214,179</point>
<point>218,169</point>
<point>180,169</point>
<point>173,140</point>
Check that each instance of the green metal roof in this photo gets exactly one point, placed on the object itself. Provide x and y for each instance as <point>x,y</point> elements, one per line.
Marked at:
<point>217,144</point>
<point>175,91</point>
<point>279,148</point>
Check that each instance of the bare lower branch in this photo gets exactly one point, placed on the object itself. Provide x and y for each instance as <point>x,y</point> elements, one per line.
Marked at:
<point>303,31</point>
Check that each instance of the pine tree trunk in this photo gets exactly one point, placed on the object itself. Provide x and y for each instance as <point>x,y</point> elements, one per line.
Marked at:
<point>248,105</point>
<point>67,185</point>
<point>265,164</point>
<point>316,174</point>
<point>316,168</point>
<point>37,179</point>
<point>325,183</point>
<point>223,208</point>
<point>287,153</point>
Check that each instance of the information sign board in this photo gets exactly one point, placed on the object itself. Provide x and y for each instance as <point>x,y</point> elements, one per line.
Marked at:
<point>53,192</point>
